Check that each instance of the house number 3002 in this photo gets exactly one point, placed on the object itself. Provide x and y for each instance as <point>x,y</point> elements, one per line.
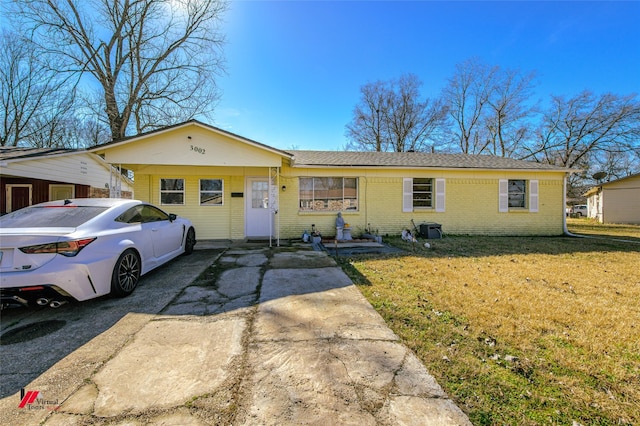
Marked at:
<point>197,149</point>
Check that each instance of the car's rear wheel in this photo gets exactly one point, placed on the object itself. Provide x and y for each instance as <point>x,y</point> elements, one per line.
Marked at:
<point>190,241</point>
<point>126,274</point>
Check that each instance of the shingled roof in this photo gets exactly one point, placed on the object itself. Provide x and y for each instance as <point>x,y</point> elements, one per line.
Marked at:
<point>413,160</point>
<point>17,152</point>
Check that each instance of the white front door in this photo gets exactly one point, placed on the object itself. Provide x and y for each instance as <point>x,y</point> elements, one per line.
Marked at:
<point>257,213</point>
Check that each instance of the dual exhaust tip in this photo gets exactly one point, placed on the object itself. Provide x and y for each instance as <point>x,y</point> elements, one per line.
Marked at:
<point>52,303</point>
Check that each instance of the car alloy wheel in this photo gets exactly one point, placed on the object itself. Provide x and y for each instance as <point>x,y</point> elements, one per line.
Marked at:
<point>126,274</point>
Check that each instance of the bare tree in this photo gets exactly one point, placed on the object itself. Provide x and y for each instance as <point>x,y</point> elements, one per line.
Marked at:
<point>30,91</point>
<point>575,130</point>
<point>490,108</point>
<point>366,130</point>
<point>155,61</point>
<point>466,96</point>
<point>616,165</point>
<point>410,120</point>
<point>391,116</point>
<point>590,133</point>
<point>509,112</point>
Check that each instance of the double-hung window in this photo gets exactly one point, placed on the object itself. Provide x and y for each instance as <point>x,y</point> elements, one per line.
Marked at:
<point>211,192</point>
<point>172,191</point>
<point>423,194</point>
<point>518,194</point>
<point>328,194</point>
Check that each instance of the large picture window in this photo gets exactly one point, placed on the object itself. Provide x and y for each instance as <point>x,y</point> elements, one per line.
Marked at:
<point>172,191</point>
<point>328,194</point>
<point>211,192</point>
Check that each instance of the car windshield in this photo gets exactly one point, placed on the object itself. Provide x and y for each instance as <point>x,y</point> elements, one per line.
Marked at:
<point>50,216</point>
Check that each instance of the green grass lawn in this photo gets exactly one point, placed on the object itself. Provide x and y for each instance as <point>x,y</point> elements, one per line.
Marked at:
<point>518,331</point>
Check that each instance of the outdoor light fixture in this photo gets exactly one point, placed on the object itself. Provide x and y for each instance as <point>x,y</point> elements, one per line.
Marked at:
<point>284,188</point>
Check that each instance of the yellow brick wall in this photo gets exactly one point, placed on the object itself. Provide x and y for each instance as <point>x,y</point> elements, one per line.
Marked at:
<point>236,214</point>
<point>211,222</point>
<point>471,202</point>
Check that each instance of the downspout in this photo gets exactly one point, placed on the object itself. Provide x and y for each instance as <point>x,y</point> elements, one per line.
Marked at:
<point>565,231</point>
<point>564,210</point>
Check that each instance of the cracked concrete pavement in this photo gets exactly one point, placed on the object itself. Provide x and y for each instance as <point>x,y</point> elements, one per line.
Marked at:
<point>265,336</point>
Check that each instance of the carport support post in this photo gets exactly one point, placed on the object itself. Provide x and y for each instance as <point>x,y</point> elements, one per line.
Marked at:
<point>274,204</point>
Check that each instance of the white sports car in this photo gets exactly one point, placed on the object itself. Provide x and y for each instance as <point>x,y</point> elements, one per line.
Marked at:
<point>85,248</point>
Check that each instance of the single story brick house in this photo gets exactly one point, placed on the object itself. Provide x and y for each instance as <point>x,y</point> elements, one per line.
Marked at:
<point>617,201</point>
<point>232,187</point>
<point>35,175</point>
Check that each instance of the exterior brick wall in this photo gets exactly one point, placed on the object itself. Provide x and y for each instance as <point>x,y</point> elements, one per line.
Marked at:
<point>471,202</point>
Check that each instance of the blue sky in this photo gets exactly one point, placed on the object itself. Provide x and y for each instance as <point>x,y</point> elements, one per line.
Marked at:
<point>295,68</point>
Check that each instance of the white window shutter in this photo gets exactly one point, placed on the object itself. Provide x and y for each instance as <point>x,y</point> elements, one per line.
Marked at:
<point>503,202</point>
<point>533,196</point>
<point>440,198</point>
<point>407,194</point>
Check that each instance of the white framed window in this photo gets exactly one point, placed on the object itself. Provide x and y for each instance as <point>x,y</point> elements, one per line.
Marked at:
<point>328,194</point>
<point>211,192</point>
<point>518,194</point>
<point>423,194</point>
<point>172,191</point>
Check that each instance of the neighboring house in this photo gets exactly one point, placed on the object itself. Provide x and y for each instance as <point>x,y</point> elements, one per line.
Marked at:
<point>34,175</point>
<point>617,201</point>
<point>234,188</point>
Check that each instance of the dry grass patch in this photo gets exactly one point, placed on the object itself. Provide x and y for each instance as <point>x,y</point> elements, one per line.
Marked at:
<point>519,330</point>
<point>592,227</point>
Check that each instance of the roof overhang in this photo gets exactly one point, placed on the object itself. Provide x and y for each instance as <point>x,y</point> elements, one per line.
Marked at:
<point>191,144</point>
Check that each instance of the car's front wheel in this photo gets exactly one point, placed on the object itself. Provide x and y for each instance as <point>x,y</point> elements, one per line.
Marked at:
<point>126,274</point>
<point>190,241</point>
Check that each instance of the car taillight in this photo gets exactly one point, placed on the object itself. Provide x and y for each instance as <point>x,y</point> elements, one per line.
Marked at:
<point>65,248</point>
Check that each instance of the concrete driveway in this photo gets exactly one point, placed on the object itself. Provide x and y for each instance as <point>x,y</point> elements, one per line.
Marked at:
<point>250,335</point>
<point>32,340</point>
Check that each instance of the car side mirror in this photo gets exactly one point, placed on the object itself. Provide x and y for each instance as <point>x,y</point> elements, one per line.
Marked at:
<point>172,217</point>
